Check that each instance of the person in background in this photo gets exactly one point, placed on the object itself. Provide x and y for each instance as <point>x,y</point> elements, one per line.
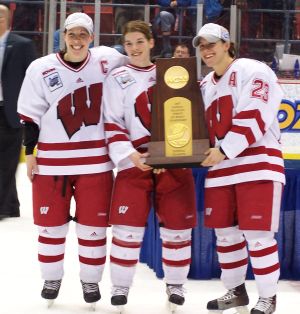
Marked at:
<point>125,14</point>
<point>212,12</point>
<point>181,51</point>
<point>60,105</point>
<point>27,16</point>
<point>164,22</point>
<point>127,113</point>
<point>119,48</point>
<point>244,184</point>
<point>16,53</point>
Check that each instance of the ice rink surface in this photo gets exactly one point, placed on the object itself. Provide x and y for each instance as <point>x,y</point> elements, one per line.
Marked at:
<point>20,282</point>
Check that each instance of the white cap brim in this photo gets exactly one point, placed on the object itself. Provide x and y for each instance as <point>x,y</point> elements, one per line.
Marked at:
<point>79,19</point>
<point>209,38</point>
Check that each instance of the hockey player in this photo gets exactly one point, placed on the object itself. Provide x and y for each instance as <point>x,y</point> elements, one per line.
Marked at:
<point>245,180</point>
<point>60,105</point>
<point>127,124</point>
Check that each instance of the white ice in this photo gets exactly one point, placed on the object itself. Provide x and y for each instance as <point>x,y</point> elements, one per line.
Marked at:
<point>20,282</point>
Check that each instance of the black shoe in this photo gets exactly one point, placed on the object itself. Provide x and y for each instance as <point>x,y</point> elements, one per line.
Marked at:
<point>91,292</point>
<point>233,298</point>
<point>265,306</point>
<point>175,294</point>
<point>51,289</point>
<point>119,295</point>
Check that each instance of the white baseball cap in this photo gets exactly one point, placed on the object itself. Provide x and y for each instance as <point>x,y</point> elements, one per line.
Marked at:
<point>212,33</point>
<point>79,19</point>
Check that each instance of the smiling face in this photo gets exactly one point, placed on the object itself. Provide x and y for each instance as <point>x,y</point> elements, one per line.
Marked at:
<point>215,55</point>
<point>138,48</point>
<point>77,41</point>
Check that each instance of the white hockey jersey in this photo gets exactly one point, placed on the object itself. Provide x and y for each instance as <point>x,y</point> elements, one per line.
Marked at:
<point>66,105</point>
<point>127,112</point>
<point>241,113</point>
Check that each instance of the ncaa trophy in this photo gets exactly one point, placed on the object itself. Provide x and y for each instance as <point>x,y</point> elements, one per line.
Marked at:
<point>178,133</point>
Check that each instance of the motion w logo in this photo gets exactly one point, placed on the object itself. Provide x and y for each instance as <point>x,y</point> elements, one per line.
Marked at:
<point>142,107</point>
<point>80,108</point>
<point>44,210</point>
<point>123,209</point>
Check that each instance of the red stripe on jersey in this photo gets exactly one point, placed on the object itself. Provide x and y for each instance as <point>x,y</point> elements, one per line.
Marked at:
<point>176,245</point>
<point>246,131</point>
<point>118,138</point>
<point>141,141</point>
<point>184,262</point>
<point>50,259</point>
<point>141,69</point>
<point>252,114</point>
<point>25,118</point>
<point>71,146</point>
<point>123,262</point>
<point>266,270</point>
<point>92,261</point>
<point>114,127</point>
<point>233,265</point>
<point>54,241</point>
<point>72,161</point>
<point>252,151</point>
<point>264,252</point>
<point>92,243</point>
<point>132,245</point>
<point>231,248</point>
<point>244,168</point>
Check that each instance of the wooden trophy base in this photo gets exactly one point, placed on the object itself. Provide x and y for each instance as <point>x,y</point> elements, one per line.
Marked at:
<point>157,159</point>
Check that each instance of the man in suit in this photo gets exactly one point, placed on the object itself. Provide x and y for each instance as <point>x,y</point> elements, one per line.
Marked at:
<point>16,53</point>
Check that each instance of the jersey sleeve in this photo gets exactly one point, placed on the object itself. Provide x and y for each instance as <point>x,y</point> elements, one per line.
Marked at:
<point>117,59</point>
<point>117,136</point>
<point>111,57</point>
<point>256,111</point>
<point>32,105</point>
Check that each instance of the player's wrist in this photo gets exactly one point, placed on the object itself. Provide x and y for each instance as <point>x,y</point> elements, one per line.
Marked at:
<point>222,151</point>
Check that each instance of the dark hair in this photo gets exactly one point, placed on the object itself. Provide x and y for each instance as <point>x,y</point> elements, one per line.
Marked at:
<point>231,50</point>
<point>183,45</point>
<point>138,26</point>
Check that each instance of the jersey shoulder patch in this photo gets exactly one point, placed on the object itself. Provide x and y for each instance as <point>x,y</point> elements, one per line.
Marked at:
<point>124,78</point>
<point>52,80</point>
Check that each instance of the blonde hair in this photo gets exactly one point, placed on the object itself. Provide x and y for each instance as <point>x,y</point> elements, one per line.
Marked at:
<point>137,26</point>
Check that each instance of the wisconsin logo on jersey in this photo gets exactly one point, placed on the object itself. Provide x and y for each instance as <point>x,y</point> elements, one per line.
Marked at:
<point>208,211</point>
<point>44,210</point>
<point>123,209</point>
<point>82,107</point>
<point>53,81</point>
<point>124,79</point>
